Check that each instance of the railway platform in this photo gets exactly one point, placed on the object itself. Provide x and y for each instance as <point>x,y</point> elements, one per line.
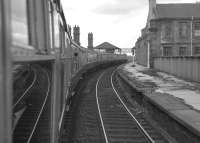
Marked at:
<point>173,102</point>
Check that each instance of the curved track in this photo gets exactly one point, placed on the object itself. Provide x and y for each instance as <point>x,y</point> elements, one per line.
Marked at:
<point>36,99</point>
<point>99,114</point>
<point>118,122</point>
<point>24,93</point>
<point>81,124</point>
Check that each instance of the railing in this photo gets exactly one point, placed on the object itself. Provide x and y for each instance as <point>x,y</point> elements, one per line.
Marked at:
<point>184,67</point>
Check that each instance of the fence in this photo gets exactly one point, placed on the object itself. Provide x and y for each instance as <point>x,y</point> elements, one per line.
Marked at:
<point>184,67</point>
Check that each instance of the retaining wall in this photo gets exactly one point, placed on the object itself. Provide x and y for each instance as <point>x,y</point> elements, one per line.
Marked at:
<point>184,67</point>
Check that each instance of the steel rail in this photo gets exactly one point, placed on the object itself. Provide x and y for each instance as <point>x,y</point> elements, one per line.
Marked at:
<point>140,126</point>
<point>18,101</point>
<point>40,113</point>
<point>63,113</point>
<point>99,110</point>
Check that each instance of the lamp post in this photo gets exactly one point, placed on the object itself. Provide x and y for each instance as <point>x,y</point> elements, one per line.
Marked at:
<point>148,53</point>
<point>191,35</point>
<point>133,53</point>
<point>151,31</point>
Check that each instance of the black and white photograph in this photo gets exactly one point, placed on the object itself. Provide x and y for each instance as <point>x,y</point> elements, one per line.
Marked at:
<point>100,71</point>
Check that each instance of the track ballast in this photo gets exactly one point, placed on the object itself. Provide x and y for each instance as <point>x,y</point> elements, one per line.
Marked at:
<point>101,115</point>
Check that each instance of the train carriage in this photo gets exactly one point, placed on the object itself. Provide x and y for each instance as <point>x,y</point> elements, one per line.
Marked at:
<point>38,53</point>
<point>92,56</point>
<point>83,57</point>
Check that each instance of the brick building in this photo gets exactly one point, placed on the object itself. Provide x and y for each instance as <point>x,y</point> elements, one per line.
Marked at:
<point>171,30</point>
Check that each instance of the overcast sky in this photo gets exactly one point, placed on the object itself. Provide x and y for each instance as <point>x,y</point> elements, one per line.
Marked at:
<point>116,21</point>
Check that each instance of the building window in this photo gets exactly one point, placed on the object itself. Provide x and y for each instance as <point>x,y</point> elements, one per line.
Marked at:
<point>182,51</point>
<point>197,29</point>
<point>167,51</point>
<point>196,50</point>
<point>19,23</point>
<point>183,29</point>
<point>166,32</point>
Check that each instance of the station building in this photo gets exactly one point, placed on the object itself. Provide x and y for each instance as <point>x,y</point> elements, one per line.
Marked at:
<point>171,30</point>
<point>108,48</point>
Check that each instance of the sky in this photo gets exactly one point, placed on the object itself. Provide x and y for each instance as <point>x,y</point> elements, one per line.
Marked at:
<point>116,21</point>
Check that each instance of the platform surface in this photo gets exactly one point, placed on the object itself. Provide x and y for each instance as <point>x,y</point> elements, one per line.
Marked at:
<point>179,98</point>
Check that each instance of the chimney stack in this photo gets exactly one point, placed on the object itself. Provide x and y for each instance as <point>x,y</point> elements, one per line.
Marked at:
<point>152,4</point>
<point>151,15</point>
<point>90,40</point>
<point>76,34</point>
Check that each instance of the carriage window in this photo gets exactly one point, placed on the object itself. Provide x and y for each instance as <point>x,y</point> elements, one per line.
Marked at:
<point>50,24</point>
<point>19,21</point>
<point>56,31</point>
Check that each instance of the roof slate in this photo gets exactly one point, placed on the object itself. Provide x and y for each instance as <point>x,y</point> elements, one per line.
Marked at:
<point>183,10</point>
<point>106,45</point>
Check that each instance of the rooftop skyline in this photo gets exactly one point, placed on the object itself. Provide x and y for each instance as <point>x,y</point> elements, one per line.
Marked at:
<point>114,21</point>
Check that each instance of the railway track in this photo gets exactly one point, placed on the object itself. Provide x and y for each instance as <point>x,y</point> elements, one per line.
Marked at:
<point>81,123</point>
<point>100,115</point>
<point>118,122</point>
<point>22,85</point>
<point>33,125</point>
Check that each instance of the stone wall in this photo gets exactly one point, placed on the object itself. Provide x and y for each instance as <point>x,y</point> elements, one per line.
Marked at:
<point>141,53</point>
<point>184,67</point>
